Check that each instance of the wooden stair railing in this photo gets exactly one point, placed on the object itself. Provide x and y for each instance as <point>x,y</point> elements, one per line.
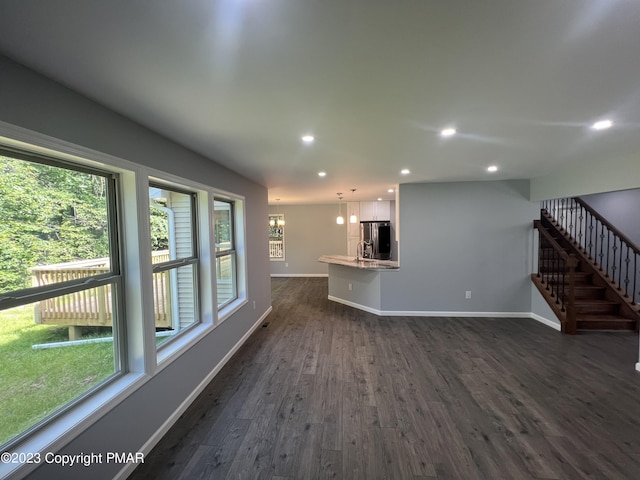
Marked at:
<point>556,278</point>
<point>605,246</point>
<point>605,276</point>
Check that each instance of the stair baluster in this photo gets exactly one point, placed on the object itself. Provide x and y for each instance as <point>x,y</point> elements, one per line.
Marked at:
<point>598,243</point>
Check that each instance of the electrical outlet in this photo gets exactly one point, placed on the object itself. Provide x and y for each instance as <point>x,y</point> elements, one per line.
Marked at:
<point>351,286</point>
<point>254,304</point>
<point>467,294</point>
<point>286,264</point>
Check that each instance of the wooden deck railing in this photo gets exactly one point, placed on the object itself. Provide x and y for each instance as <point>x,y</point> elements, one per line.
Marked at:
<point>276,249</point>
<point>92,307</point>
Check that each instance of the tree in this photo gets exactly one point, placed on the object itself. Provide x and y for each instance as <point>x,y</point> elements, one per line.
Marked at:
<point>48,214</point>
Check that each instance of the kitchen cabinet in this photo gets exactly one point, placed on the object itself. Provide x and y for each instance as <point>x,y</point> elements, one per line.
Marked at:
<point>375,211</point>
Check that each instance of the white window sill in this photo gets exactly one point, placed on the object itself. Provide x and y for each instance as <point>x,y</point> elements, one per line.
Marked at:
<point>181,343</point>
<point>230,309</point>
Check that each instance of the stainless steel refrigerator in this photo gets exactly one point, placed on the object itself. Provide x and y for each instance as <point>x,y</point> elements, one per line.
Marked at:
<point>377,240</point>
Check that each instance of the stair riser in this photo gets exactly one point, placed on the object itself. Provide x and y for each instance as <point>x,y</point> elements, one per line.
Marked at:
<point>587,293</point>
<point>578,280</point>
<point>607,325</point>
<point>596,309</point>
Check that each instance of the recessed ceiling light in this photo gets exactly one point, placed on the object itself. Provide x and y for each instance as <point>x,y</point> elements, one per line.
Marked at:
<point>448,132</point>
<point>322,174</point>
<point>492,168</point>
<point>390,190</point>
<point>405,171</point>
<point>379,199</point>
<point>602,125</point>
<point>308,138</point>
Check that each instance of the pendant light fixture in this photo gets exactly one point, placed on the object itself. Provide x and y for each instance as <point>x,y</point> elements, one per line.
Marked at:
<point>353,218</point>
<point>272,220</point>
<point>340,218</point>
<point>280,220</point>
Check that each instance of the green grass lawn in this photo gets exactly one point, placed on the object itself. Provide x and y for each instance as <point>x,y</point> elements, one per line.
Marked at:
<point>36,383</point>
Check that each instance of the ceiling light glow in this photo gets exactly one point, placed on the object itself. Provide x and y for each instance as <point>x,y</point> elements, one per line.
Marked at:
<point>308,139</point>
<point>390,190</point>
<point>448,132</point>
<point>322,174</point>
<point>405,171</point>
<point>492,168</point>
<point>602,125</point>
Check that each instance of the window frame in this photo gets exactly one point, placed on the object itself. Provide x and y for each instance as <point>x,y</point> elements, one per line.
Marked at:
<point>276,217</point>
<point>114,277</point>
<point>193,260</point>
<point>231,252</point>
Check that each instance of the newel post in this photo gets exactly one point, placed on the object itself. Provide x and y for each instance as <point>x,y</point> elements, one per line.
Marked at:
<point>571,324</point>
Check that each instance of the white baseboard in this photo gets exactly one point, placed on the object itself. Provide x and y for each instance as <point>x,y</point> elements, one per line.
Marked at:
<point>355,305</point>
<point>447,314</point>
<point>419,313</point>
<point>299,275</point>
<point>173,418</point>
<point>549,323</point>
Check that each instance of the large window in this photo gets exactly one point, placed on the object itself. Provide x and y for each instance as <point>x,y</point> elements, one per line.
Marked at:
<point>174,258</point>
<point>226,261</point>
<point>60,288</point>
<point>72,246</point>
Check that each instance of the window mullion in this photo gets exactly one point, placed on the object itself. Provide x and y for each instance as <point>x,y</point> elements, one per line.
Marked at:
<point>45,292</point>
<point>164,266</point>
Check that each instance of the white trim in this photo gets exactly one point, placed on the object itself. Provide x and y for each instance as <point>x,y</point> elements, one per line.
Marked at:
<point>356,305</point>
<point>457,314</point>
<point>447,314</point>
<point>638,366</point>
<point>299,275</point>
<point>173,418</point>
<point>230,309</point>
<point>549,323</point>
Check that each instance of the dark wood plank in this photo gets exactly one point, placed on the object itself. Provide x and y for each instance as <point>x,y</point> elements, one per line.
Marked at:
<point>327,391</point>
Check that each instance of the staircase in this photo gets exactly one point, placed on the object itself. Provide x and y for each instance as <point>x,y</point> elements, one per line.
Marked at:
<point>587,270</point>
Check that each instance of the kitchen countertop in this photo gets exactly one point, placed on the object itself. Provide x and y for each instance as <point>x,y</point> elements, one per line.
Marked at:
<point>363,264</point>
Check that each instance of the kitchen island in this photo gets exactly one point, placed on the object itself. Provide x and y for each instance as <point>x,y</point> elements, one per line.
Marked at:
<point>363,263</point>
<point>357,282</point>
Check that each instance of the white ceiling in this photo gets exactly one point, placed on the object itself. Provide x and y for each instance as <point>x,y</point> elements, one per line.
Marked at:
<point>374,80</point>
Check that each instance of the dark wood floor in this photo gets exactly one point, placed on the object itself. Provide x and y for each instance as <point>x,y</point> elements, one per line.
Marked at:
<point>327,391</point>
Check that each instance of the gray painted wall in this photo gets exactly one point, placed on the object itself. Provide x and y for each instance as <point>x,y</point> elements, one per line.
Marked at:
<point>31,101</point>
<point>540,307</point>
<point>582,178</point>
<point>309,231</point>
<point>456,237</point>
<point>365,286</point>
<point>621,209</point>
